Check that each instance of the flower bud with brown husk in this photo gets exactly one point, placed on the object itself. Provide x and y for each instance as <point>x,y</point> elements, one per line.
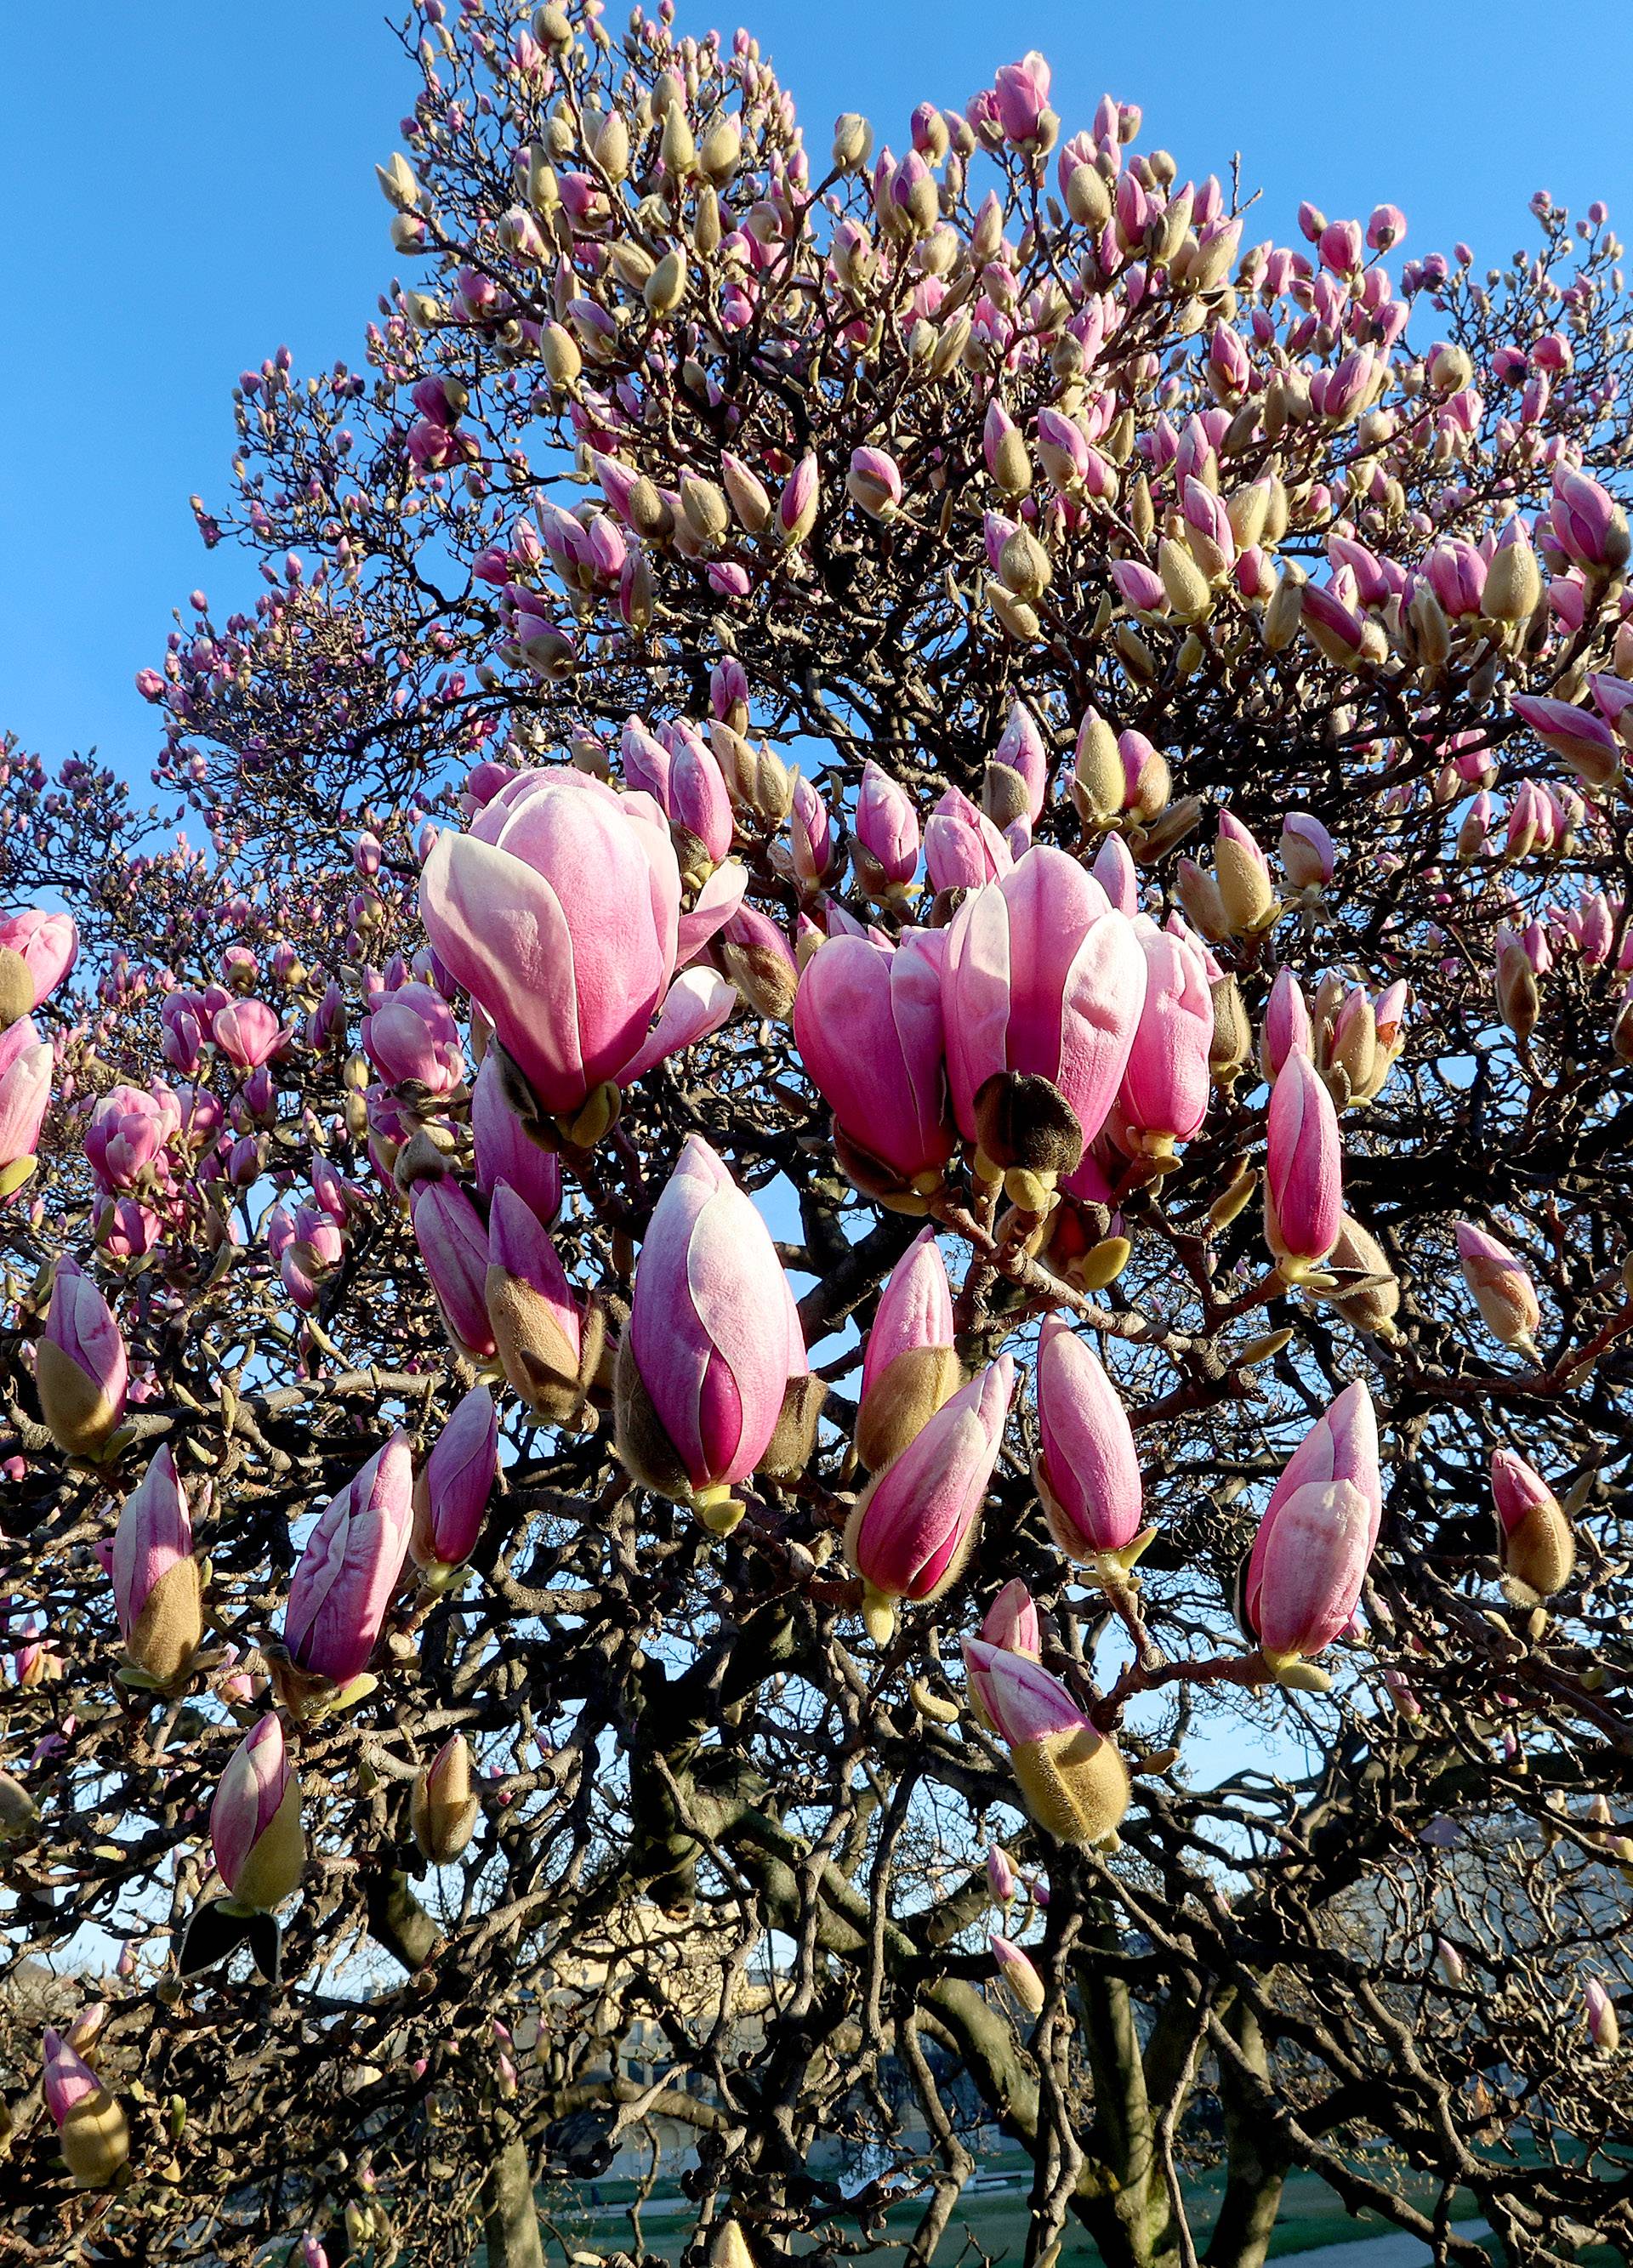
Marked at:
<point>749,499</point>
<point>1005,796</point>
<point>1520,1003</point>
<point>760,960</point>
<point>1367,1293</point>
<point>1534,1539</point>
<point>442,1810</point>
<point>92,2128</point>
<point>852,142</point>
<point>1099,778</point>
<point>1027,1133</point>
<point>20,1814</point>
<point>1024,565</point>
<point>756,779</point>
<point>794,1437</point>
<point>1075,1783</point>
<point>549,1342</point>
<point>1501,1286</point>
<point>1232,1044</point>
<point>1242,874</point>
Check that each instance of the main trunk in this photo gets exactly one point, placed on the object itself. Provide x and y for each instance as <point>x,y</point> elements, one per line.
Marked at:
<point>510,2220</point>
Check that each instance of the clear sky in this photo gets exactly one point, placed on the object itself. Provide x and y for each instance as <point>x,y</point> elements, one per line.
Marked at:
<point>188,183</point>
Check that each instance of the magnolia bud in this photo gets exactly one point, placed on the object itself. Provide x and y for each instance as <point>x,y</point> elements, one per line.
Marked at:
<point>853,143</point>
<point>1513,585</point>
<point>559,350</point>
<point>666,287</point>
<point>91,2127</point>
<point>442,1810</point>
<point>1285,610</point>
<point>1100,782</point>
<point>1182,580</point>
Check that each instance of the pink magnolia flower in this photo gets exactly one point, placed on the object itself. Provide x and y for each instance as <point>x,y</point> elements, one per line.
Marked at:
<point>255,1821</point>
<point>129,1131</point>
<point>696,803</point>
<point>645,760</point>
<point>1303,1169</point>
<point>1339,244</point>
<point>914,1523</point>
<point>1114,870</point>
<point>126,1230</point>
<point>1455,571</point>
<point>1386,228</point>
<point>1389,1018</point>
<point>247,1033</point>
<point>760,960</point>
<point>410,1035</point>
<point>721,896</point>
<point>455,1484</point>
<point>453,1245</point>
<point>1341,1445</point>
<point>549,1342</point>
<point>1501,1286</point>
<point>962,847</point>
<point>874,483</point>
<point>91,2127</point>
<point>698,1001</point>
<point>1449,1962</point>
<point>1603,2029</point>
<point>1147,777</point>
<point>1017,1970</point>
<point>810,833</point>
<point>1075,1783</point>
<point>1001,1879</point>
<point>887,833</point>
<point>1536,1546</point>
<point>914,1310</point>
<point>1287,1027</point>
<point>156,1578</point>
<point>797,504</point>
<point>1023,97</point>
<point>1139,586</point>
<point>37,950</point>
<point>867,1024</point>
<point>1164,1096</point>
<point>1308,851</point>
<point>80,1365</point>
<point>505,1152</point>
<point>713,1341</point>
<point>1064,448</point>
<point>1011,1621</point>
<point>1043,978</point>
<point>558,911</point>
<point>348,1569</point>
<point>25,1065</point>
<point>1585,741</point>
<point>1589,525</point>
<point>1339,1454</point>
<point>1087,1473</point>
<point>1022,748</point>
<point>1303,1588</point>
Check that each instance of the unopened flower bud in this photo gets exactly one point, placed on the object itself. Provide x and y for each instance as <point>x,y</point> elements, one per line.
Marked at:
<point>442,1810</point>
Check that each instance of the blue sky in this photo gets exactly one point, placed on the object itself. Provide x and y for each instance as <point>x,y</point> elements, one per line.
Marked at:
<point>190,183</point>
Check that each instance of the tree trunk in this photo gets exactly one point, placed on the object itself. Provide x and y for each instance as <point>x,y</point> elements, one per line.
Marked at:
<point>1127,2211</point>
<point>1256,2165</point>
<point>510,2220</point>
<point>1133,2229</point>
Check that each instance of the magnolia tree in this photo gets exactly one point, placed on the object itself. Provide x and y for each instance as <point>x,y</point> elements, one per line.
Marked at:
<point>821,1327</point>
